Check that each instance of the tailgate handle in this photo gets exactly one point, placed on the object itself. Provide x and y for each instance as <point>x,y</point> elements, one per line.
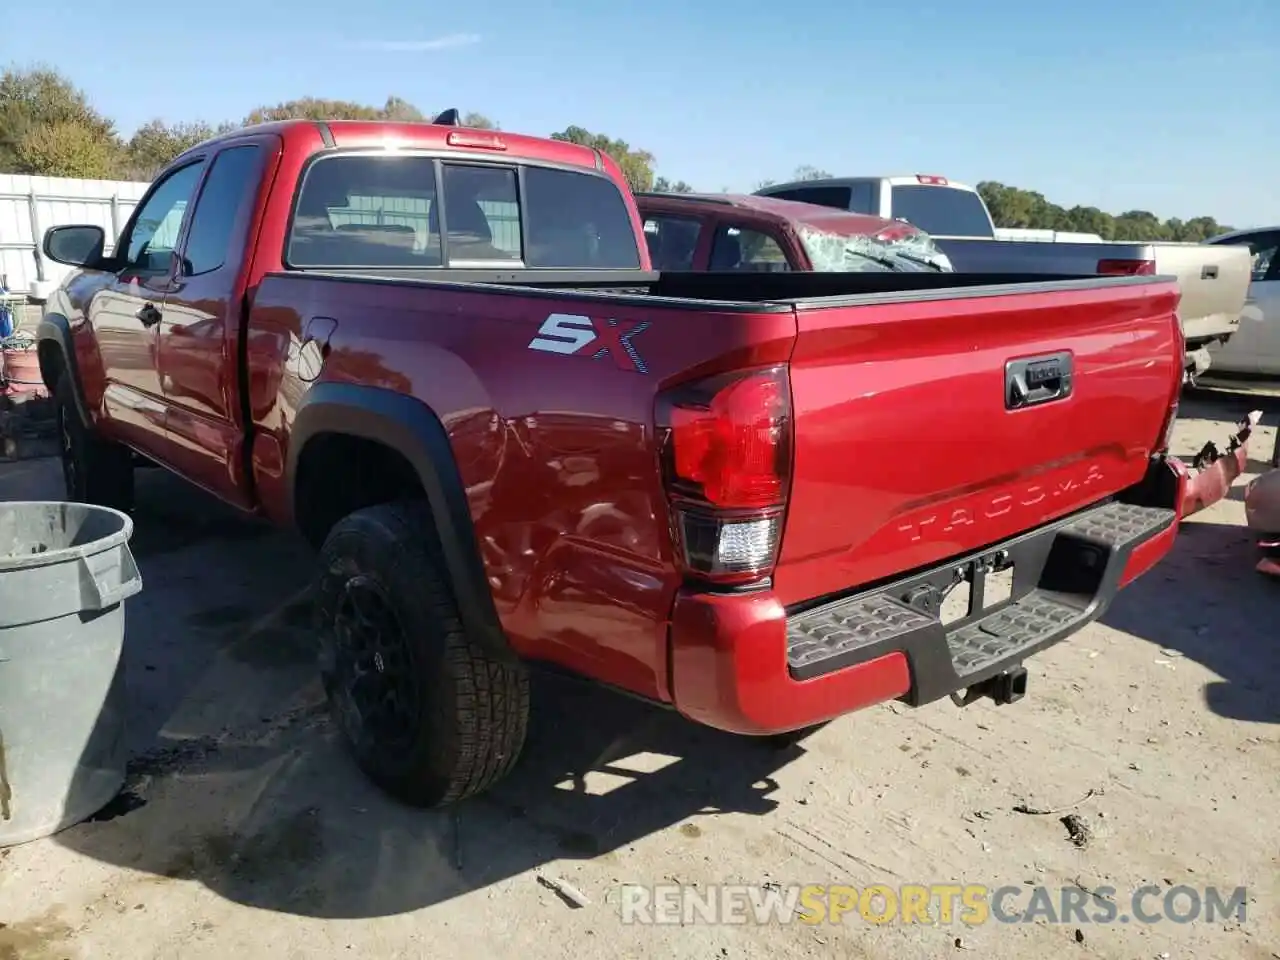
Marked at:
<point>1035,380</point>
<point>1209,272</point>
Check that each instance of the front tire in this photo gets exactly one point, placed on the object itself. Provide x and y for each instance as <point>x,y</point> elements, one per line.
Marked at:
<point>94,470</point>
<point>429,714</point>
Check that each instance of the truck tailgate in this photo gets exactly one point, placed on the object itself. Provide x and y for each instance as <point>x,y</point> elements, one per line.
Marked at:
<point>1214,282</point>
<point>906,449</point>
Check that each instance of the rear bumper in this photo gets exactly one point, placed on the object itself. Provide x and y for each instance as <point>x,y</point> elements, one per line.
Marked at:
<point>1216,472</point>
<point>1206,329</point>
<point>1209,485</point>
<point>743,663</point>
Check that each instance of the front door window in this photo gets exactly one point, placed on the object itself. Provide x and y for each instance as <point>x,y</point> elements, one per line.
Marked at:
<point>154,234</point>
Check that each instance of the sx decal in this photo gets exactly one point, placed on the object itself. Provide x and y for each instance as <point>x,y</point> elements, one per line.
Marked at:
<point>573,335</point>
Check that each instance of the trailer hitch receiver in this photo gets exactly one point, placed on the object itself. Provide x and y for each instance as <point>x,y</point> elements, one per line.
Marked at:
<point>1009,686</point>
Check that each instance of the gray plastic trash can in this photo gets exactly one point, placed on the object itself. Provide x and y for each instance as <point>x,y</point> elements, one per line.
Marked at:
<point>65,570</point>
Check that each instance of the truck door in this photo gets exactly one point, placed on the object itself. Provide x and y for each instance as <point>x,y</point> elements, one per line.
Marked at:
<point>199,333</point>
<point>125,312</point>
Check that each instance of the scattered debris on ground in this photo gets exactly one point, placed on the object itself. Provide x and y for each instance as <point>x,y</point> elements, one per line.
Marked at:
<point>1049,811</point>
<point>566,891</point>
<point>1078,830</point>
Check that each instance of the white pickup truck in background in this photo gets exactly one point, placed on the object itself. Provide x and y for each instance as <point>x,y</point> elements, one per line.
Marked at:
<point>1214,279</point>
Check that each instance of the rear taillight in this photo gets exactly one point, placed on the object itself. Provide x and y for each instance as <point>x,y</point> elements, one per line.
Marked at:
<point>1171,416</point>
<point>1166,431</point>
<point>1127,268</point>
<point>726,462</point>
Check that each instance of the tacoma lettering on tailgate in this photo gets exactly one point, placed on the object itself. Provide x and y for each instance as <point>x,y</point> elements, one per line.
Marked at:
<point>1034,498</point>
<point>578,336</point>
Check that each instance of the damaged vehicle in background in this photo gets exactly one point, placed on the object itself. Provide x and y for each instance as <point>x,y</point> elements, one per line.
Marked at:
<point>736,232</point>
<point>1216,470</point>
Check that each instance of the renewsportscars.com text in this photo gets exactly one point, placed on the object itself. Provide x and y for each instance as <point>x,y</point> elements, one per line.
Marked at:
<point>938,903</point>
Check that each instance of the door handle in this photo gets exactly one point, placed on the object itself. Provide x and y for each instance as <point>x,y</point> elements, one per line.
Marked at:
<point>148,314</point>
<point>1036,380</point>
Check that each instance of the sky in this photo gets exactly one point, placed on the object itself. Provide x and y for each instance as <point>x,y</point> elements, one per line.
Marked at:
<point>1165,105</point>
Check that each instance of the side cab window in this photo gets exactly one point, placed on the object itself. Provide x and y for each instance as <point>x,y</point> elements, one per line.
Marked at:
<point>672,241</point>
<point>743,249</point>
<point>152,236</point>
<point>1265,248</point>
<point>223,205</point>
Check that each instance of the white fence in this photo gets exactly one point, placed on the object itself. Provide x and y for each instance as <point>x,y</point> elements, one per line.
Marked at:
<point>31,205</point>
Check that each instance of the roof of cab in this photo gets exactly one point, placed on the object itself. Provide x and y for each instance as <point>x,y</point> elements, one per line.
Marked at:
<point>408,134</point>
<point>777,211</point>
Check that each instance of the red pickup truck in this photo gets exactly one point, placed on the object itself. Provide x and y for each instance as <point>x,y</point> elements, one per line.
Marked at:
<point>441,354</point>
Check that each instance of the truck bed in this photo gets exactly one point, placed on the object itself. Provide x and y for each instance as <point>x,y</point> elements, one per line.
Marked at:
<point>694,290</point>
<point>905,452</point>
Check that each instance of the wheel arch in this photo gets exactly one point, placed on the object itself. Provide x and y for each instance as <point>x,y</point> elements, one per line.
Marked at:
<point>56,353</point>
<point>409,428</point>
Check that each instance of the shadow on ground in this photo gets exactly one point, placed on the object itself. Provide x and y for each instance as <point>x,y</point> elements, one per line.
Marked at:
<point>238,781</point>
<point>1227,402</point>
<point>1223,617</point>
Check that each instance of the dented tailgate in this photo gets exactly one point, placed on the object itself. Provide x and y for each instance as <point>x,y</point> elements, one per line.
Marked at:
<point>930,425</point>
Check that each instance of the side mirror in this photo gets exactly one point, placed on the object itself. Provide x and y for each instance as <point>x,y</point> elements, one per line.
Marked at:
<point>78,245</point>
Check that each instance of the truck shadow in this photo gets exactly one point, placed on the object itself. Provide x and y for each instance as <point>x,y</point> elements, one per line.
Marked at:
<point>239,782</point>
<point>1205,602</point>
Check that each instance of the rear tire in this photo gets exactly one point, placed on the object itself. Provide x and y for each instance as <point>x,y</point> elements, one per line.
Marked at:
<point>429,714</point>
<point>94,470</point>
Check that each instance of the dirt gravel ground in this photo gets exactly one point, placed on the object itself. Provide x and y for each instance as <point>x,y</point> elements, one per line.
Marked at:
<point>244,830</point>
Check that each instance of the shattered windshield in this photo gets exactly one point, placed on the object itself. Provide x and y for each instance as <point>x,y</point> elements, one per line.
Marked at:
<point>833,251</point>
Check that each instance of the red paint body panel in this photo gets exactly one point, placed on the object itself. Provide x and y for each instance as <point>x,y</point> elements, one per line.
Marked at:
<point>904,454</point>
<point>559,467</point>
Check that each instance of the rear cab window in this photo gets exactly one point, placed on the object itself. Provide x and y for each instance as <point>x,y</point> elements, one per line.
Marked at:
<point>858,196</point>
<point>415,211</point>
<point>836,197</point>
<point>941,211</point>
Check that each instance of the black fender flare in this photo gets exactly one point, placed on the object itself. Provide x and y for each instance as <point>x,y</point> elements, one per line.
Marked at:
<point>54,329</point>
<point>410,427</point>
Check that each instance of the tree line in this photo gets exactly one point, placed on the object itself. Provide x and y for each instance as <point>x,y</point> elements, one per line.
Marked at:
<point>1015,207</point>
<point>48,127</point>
